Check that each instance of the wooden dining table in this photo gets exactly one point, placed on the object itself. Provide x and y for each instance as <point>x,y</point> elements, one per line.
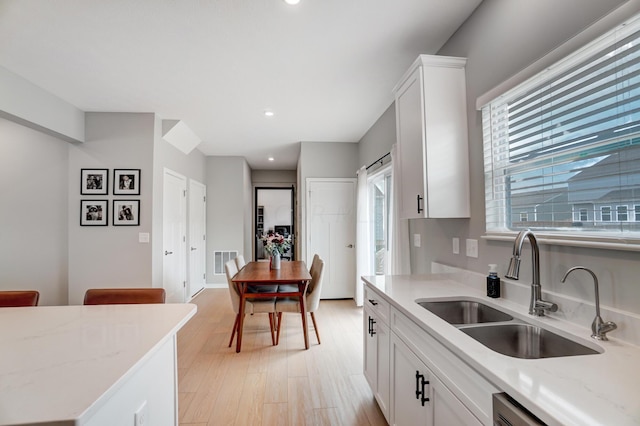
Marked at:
<point>260,273</point>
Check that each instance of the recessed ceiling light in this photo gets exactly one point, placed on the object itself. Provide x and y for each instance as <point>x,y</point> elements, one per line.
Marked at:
<point>268,113</point>
<point>292,1</point>
<point>270,158</point>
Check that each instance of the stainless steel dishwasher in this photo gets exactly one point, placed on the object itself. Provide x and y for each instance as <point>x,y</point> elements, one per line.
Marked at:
<point>507,412</point>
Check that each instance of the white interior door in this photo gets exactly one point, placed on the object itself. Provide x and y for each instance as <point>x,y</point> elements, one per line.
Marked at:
<point>174,213</point>
<point>197,236</point>
<point>331,233</point>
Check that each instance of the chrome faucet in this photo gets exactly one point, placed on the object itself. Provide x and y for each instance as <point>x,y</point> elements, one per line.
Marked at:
<point>537,306</point>
<point>599,328</point>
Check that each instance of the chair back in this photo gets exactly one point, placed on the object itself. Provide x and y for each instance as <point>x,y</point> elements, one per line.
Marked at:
<point>10,299</point>
<point>240,262</point>
<point>124,296</point>
<point>315,286</point>
<point>314,263</point>
<point>230,268</point>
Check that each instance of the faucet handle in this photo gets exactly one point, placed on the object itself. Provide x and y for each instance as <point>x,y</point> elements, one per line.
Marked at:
<point>599,328</point>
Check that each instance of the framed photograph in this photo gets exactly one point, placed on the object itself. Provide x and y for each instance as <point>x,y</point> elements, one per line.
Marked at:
<point>94,212</point>
<point>126,182</point>
<point>94,181</point>
<point>126,212</point>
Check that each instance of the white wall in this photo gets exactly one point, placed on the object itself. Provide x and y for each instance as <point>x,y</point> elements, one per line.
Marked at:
<point>499,40</point>
<point>379,138</point>
<point>33,212</point>
<point>111,256</point>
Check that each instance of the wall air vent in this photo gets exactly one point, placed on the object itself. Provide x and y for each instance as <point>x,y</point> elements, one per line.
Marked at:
<point>220,257</point>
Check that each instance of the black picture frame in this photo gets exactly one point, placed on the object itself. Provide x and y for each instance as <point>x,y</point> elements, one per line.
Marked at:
<point>94,181</point>
<point>126,213</point>
<point>94,212</point>
<point>126,181</point>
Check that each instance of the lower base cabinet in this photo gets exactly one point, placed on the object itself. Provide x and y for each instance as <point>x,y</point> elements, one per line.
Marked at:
<point>418,396</point>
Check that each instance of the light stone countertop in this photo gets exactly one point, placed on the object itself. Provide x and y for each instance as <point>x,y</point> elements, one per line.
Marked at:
<point>61,363</point>
<point>601,389</point>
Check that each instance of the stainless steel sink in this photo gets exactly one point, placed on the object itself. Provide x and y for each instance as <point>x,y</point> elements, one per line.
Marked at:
<point>526,341</point>
<point>465,312</point>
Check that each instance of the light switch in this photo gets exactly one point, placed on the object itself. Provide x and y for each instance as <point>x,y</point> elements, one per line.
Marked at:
<point>456,245</point>
<point>416,240</point>
<point>143,237</point>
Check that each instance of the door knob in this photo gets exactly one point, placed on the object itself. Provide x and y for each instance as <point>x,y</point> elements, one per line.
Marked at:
<point>167,252</point>
<point>194,248</point>
<point>350,246</point>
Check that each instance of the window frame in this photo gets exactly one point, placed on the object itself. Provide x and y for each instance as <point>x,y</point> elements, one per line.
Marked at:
<point>578,237</point>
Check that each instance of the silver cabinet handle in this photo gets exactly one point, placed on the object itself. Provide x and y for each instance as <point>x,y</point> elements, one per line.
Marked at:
<point>167,252</point>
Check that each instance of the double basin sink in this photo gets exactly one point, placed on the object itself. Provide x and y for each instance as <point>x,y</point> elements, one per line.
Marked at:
<point>501,332</point>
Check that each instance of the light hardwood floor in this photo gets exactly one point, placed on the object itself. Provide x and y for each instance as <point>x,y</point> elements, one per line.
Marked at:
<point>273,385</point>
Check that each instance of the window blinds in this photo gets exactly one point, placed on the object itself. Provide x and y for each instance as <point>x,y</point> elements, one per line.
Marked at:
<point>562,151</point>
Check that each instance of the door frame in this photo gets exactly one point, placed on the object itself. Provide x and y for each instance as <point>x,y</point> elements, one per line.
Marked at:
<point>291,188</point>
<point>190,255</point>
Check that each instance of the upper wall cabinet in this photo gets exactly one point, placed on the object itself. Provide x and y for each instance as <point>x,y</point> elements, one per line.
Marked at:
<point>431,125</point>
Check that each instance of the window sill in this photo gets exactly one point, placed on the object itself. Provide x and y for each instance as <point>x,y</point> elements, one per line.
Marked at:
<point>592,241</point>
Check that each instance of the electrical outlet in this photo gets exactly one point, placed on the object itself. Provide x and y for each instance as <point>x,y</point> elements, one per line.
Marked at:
<point>141,416</point>
<point>472,248</point>
<point>416,240</point>
<point>456,245</point>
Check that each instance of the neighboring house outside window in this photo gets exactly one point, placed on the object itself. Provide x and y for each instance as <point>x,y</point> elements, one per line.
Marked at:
<point>605,214</point>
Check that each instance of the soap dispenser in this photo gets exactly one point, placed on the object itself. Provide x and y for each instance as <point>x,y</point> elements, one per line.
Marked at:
<point>493,282</point>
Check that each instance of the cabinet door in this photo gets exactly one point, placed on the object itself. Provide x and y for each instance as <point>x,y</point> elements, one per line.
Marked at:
<point>447,409</point>
<point>376,359</point>
<point>409,122</point>
<point>408,374</point>
<point>370,351</point>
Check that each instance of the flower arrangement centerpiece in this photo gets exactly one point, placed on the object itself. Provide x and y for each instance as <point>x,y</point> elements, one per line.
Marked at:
<point>275,245</point>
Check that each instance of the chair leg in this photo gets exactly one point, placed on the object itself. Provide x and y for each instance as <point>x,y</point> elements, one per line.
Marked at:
<point>272,325</point>
<point>235,328</point>
<point>278,326</point>
<point>315,326</point>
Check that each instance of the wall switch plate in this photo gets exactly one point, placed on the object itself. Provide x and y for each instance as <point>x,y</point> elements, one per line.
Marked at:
<point>456,245</point>
<point>141,416</point>
<point>416,240</point>
<point>472,248</point>
<point>143,237</point>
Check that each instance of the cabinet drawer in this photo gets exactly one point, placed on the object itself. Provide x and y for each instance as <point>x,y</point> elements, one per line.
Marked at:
<point>468,385</point>
<point>376,304</point>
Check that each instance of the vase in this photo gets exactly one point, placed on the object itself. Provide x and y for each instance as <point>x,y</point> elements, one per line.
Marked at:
<point>275,260</point>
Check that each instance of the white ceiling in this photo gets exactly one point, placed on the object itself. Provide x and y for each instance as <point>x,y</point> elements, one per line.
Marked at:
<point>325,67</point>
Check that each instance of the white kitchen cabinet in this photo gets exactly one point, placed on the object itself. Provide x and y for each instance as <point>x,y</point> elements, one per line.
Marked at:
<point>431,126</point>
<point>376,351</point>
<point>418,396</point>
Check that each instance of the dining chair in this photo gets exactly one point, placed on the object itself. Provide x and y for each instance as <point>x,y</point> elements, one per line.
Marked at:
<point>17,298</point>
<point>254,306</point>
<point>312,300</point>
<point>124,296</point>
<point>240,262</point>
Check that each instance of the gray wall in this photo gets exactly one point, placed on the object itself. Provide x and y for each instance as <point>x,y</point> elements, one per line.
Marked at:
<point>499,40</point>
<point>228,207</point>
<point>192,166</point>
<point>111,256</point>
<point>379,138</point>
<point>33,212</point>
<point>322,160</point>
